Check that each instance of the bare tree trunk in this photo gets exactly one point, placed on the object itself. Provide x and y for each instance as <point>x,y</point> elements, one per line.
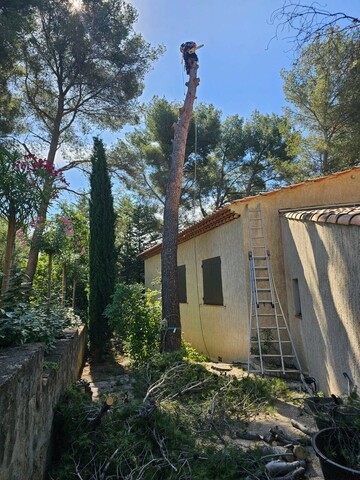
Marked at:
<point>171,337</point>
<point>50,263</point>
<point>63,285</point>
<point>9,250</point>
<point>34,247</point>
<point>73,293</point>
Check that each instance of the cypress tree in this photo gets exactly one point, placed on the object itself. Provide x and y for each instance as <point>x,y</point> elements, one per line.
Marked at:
<point>102,253</point>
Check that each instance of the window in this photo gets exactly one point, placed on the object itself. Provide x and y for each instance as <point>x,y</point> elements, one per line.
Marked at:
<point>182,283</point>
<point>212,283</point>
<point>296,295</point>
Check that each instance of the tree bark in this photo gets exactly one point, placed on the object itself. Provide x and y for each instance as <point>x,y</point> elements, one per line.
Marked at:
<point>63,285</point>
<point>73,301</point>
<point>9,250</point>
<point>50,263</point>
<point>43,208</point>
<point>171,333</point>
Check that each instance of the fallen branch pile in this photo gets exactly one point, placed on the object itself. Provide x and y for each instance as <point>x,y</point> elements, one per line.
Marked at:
<point>184,423</point>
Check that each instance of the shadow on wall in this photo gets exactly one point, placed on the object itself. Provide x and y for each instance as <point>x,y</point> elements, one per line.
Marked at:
<point>322,258</point>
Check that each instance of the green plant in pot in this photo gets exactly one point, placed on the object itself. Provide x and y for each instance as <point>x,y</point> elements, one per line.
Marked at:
<point>338,446</point>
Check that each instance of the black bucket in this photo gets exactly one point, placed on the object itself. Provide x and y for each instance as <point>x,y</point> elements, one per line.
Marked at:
<point>325,440</point>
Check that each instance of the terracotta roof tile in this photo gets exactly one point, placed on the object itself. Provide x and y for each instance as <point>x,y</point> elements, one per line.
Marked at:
<point>214,220</point>
<point>342,215</point>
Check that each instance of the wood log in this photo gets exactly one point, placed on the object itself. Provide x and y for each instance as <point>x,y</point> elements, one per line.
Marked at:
<point>246,435</point>
<point>302,428</point>
<point>95,421</point>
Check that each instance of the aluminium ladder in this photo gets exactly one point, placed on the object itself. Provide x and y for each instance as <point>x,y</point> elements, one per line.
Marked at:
<point>271,349</point>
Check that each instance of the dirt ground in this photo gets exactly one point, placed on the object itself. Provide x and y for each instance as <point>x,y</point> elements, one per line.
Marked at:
<point>115,377</point>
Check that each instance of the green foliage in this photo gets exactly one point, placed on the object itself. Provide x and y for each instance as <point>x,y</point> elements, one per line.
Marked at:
<point>102,254</point>
<point>15,17</point>
<point>191,354</point>
<point>47,364</point>
<point>135,317</point>
<point>22,180</point>
<point>137,228</point>
<point>323,87</point>
<point>232,158</point>
<point>22,322</point>
<point>103,63</point>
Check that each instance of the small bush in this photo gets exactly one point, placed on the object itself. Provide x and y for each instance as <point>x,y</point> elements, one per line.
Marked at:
<point>22,322</point>
<point>135,316</point>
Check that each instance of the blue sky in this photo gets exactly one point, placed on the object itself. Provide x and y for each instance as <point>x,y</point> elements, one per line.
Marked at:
<point>239,66</point>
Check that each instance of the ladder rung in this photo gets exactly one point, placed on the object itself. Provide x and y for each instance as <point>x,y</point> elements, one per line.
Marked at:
<point>262,278</point>
<point>269,328</point>
<point>259,257</point>
<point>286,370</point>
<point>278,341</point>
<point>256,238</point>
<point>277,355</point>
<point>272,341</point>
<point>263,290</point>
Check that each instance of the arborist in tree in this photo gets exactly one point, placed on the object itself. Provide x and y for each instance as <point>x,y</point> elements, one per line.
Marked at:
<point>188,53</point>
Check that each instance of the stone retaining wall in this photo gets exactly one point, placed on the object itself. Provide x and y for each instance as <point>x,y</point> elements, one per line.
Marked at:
<point>28,395</point>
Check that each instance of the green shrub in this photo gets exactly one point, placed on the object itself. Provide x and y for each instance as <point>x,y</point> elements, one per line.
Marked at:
<point>192,354</point>
<point>135,316</point>
<point>24,322</point>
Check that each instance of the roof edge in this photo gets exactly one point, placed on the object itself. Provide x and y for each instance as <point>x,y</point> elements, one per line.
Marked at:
<point>219,217</point>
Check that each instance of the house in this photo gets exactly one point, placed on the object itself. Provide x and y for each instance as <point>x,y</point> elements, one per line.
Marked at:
<point>313,236</point>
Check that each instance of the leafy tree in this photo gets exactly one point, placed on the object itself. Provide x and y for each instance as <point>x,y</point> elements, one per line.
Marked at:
<point>74,255</point>
<point>137,229</point>
<point>22,182</point>
<point>15,18</point>
<point>80,67</point>
<point>52,240</point>
<point>102,254</point>
<point>267,157</point>
<point>64,240</point>
<point>231,159</point>
<point>142,160</point>
<point>324,87</point>
<point>135,315</point>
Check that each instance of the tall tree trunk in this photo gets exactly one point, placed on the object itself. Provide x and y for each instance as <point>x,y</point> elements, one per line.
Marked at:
<point>63,285</point>
<point>325,162</point>
<point>43,208</point>
<point>73,293</point>
<point>50,263</point>
<point>9,249</point>
<point>171,335</point>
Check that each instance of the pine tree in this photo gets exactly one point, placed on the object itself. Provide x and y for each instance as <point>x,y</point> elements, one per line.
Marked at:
<point>171,335</point>
<point>102,253</point>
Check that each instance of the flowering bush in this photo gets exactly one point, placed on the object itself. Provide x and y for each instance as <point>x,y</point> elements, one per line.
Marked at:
<point>24,180</point>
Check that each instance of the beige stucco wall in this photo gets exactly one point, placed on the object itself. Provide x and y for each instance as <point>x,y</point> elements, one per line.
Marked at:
<point>325,258</point>
<point>332,190</point>
<point>218,331</point>
<point>223,331</point>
